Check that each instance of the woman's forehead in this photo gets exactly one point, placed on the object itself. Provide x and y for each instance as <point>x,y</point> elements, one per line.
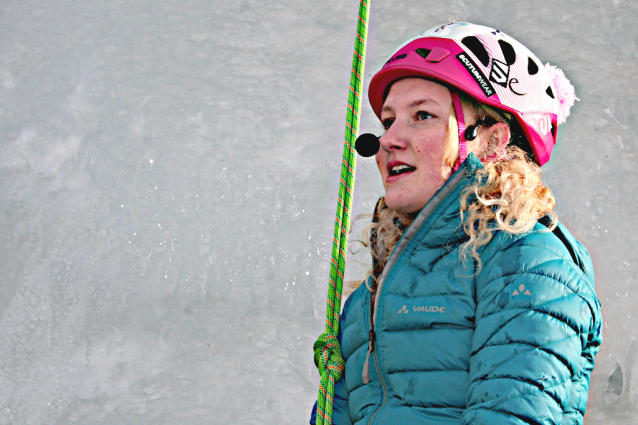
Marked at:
<point>411,92</point>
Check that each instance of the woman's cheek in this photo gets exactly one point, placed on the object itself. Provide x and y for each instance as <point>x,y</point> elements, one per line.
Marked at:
<point>381,165</point>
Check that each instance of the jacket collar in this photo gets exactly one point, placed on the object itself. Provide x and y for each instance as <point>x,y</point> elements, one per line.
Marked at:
<point>439,222</point>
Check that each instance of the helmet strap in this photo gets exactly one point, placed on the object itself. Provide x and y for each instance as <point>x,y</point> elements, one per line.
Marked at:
<point>460,119</point>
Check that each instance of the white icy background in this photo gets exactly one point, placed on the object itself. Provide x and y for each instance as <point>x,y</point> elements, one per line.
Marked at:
<point>168,180</point>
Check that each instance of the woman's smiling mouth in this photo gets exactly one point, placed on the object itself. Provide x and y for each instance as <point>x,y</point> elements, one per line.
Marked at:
<point>396,168</point>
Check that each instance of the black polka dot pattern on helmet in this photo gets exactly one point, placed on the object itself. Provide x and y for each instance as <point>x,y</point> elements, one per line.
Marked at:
<point>550,92</point>
<point>532,68</point>
<point>508,52</point>
<point>476,47</point>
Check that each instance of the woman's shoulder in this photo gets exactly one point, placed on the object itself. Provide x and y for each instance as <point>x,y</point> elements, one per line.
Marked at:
<point>553,253</point>
<point>355,301</point>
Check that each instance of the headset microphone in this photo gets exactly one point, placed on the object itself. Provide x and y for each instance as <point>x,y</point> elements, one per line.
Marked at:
<point>472,131</point>
<point>367,145</point>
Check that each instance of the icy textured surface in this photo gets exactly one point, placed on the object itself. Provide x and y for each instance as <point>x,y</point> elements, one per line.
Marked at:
<point>168,180</point>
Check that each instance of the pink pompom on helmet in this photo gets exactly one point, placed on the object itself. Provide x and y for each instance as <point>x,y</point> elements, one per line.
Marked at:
<point>489,66</point>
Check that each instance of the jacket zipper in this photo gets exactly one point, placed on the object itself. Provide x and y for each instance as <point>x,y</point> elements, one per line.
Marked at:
<point>385,390</point>
<point>371,349</point>
<point>365,375</point>
<point>373,302</point>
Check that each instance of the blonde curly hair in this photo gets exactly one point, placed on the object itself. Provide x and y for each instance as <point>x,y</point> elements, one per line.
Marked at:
<point>509,196</point>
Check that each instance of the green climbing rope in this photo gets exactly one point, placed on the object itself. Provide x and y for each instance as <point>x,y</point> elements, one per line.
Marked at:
<point>328,357</point>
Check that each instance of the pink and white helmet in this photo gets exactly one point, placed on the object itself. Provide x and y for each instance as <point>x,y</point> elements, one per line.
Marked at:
<point>489,66</point>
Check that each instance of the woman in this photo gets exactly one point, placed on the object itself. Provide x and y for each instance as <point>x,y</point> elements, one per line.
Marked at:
<point>480,307</point>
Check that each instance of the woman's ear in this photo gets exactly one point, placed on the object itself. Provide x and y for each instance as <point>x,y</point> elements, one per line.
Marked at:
<point>498,136</point>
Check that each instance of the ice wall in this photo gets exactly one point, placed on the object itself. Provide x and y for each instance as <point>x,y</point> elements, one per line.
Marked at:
<point>168,180</point>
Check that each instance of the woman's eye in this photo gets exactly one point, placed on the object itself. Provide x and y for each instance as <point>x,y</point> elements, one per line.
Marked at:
<point>387,123</point>
<point>422,115</point>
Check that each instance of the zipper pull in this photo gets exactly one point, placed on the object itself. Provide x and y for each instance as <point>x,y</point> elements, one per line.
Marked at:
<point>366,366</point>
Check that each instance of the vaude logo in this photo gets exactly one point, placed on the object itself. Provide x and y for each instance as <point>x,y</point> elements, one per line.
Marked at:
<point>423,308</point>
<point>476,73</point>
<point>521,290</point>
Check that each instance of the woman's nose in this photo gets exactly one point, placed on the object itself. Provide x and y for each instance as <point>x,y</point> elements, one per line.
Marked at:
<point>393,138</point>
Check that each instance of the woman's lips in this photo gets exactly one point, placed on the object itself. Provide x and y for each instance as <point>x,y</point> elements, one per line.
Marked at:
<point>392,179</point>
<point>398,170</point>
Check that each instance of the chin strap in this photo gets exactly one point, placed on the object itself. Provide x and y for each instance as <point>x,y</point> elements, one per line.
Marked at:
<point>460,119</point>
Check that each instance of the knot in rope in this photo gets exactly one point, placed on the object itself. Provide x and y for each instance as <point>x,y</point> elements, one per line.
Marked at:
<point>328,357</point>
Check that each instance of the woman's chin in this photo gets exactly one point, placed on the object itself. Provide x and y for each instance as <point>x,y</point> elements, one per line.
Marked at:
<point>402,204</point>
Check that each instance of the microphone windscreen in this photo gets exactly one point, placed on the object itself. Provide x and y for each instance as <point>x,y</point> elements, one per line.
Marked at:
<point>367,145</point>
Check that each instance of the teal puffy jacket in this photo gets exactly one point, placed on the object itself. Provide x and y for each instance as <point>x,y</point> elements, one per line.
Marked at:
<point>513,344</point>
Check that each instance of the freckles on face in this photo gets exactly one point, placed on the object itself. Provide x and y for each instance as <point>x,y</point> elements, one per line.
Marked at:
<point>415,116</point>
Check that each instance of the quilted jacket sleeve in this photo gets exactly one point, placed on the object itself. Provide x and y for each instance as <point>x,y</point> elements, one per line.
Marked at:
<point>537,330</point>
